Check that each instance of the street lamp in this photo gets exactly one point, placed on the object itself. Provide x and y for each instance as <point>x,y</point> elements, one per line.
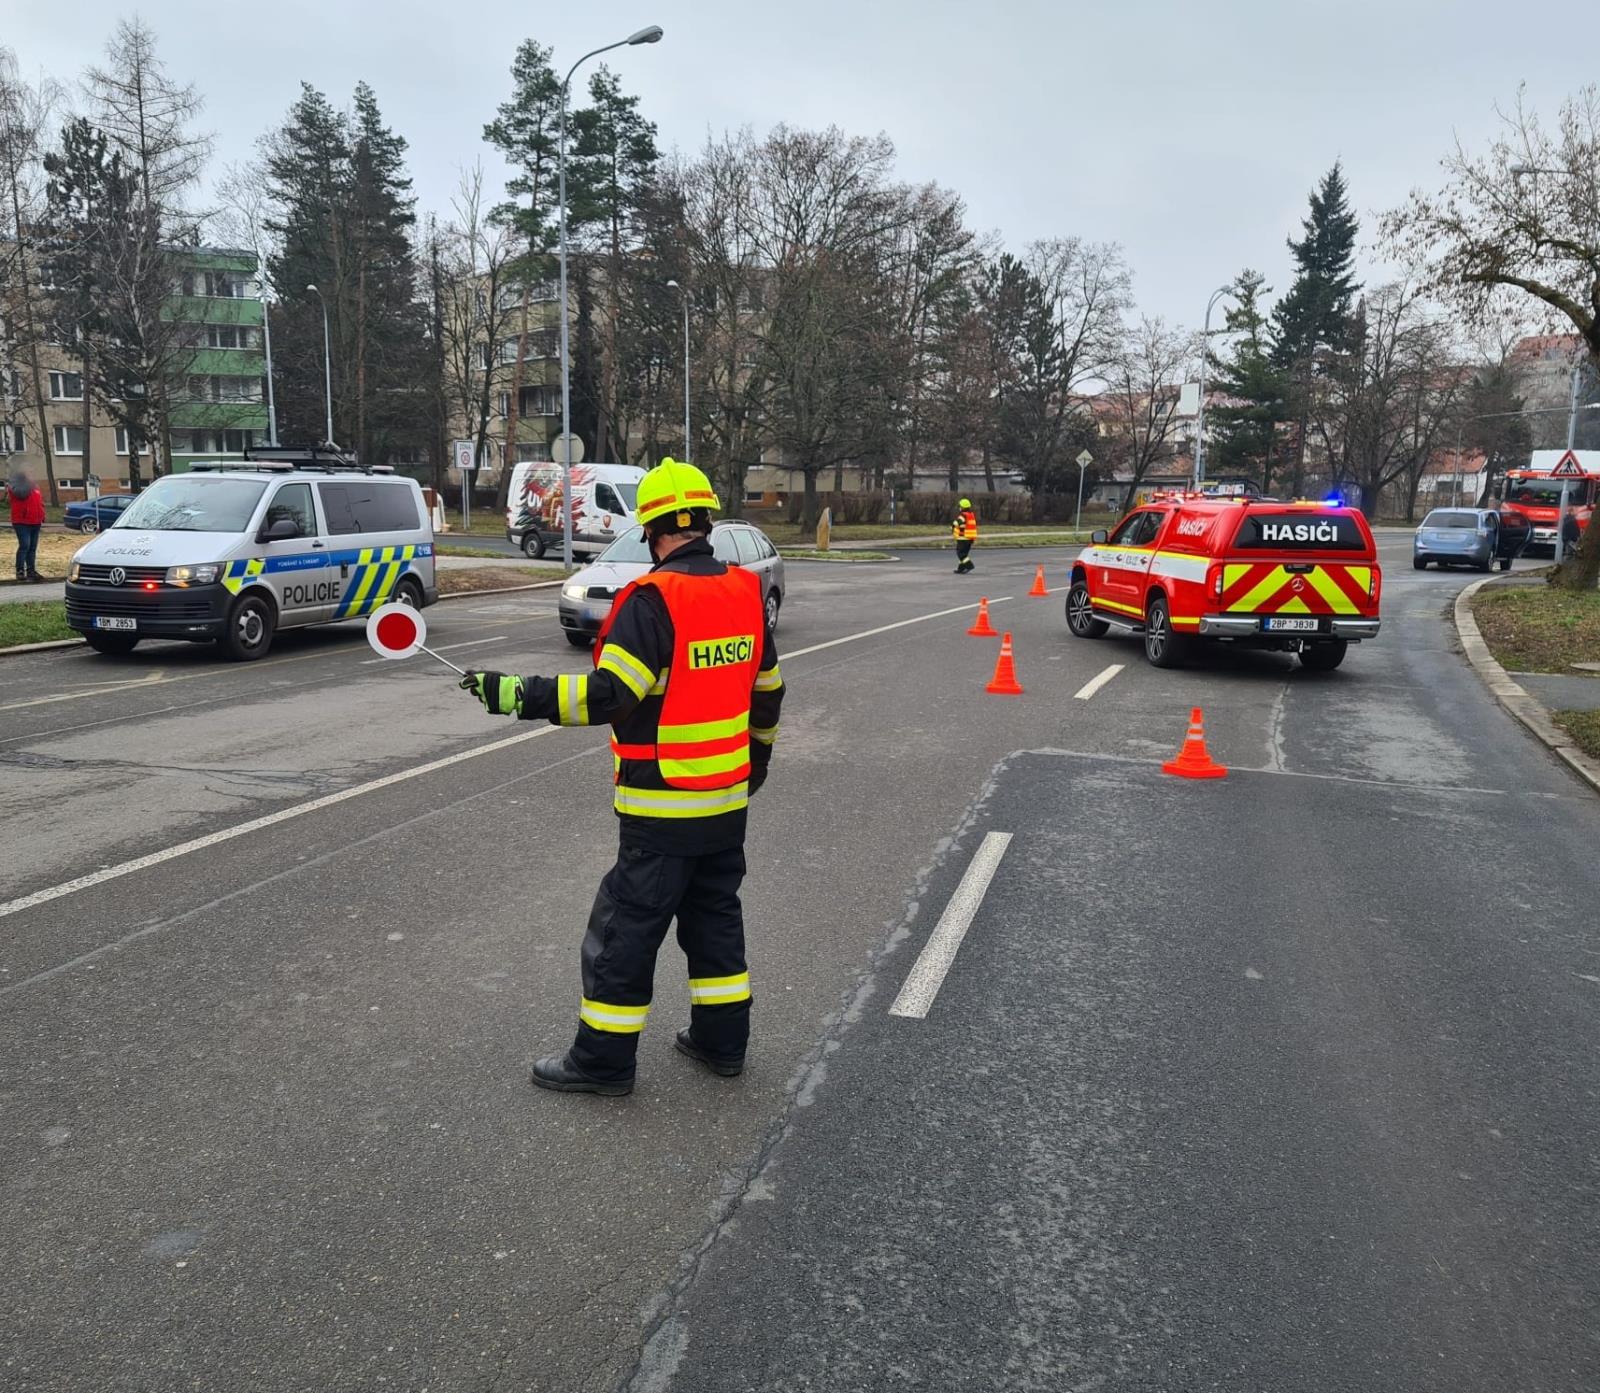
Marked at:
<point>649,35</point>
<point>1200,411</point>
<point>327,364</point>
<point>688,452</point>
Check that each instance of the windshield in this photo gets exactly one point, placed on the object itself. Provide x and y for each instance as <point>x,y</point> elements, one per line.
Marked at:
<point>1545,493</point>
<point>629,547</point>
<point>185,503</point>
<point>1444,519</point>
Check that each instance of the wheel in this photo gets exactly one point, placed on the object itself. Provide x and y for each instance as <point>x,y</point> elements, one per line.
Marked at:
<point>1505,563</point>
<point>1324,657</point>
<point>1080,613</point>
<point>773,603</point>
<point>114,644</point>
<point>408,592</point>
<point>533,545</point>
<point>1161,646</point>
<point>251,622</point>
<point>578,640</point>
<point>1418,564</point>
<point>1485,566</point>
<point>89,524</point>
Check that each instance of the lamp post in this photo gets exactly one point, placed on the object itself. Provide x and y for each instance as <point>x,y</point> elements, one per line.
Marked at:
<point>650,35</point>
<point>327,364</point>
<point>1200,410</point>
<point>688,450</point>
<point>272,405</point>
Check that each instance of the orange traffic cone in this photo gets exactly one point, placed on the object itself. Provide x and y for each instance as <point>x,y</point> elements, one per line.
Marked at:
<point>1194,761</point>
<point>1038,584</point>
<point>1005,672</point>
<point>983,628</point>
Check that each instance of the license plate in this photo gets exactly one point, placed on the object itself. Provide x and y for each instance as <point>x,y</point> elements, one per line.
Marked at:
<point>1293,625</point>
<point>102,621</point>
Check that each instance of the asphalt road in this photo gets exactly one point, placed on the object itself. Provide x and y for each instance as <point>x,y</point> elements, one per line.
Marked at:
<point>1280,1082</point>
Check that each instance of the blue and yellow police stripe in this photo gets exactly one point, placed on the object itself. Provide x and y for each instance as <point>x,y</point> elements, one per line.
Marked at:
<point>374,572</point>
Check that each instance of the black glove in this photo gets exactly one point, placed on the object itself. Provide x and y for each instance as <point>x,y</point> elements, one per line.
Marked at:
<point>500,694</point>
<point>758,776</point>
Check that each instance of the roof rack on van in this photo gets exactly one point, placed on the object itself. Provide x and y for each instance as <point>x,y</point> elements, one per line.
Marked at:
<point>287,458</point>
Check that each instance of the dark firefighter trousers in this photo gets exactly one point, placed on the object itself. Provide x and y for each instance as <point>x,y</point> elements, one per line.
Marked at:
<point>637,901</point>
<point>963,553</point>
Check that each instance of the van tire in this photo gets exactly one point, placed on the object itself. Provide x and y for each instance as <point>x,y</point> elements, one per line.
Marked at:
<point>408,592</point>
<point>1324,657</point>
<point>251,623</point>
<point>1162,647</point>
<point>533,545</point>
<point>112,645</point>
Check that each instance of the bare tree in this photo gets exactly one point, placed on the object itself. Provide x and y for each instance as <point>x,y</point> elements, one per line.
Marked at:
<point>25,113</point>
<point>1143,383</point>
<point>1523,215</point>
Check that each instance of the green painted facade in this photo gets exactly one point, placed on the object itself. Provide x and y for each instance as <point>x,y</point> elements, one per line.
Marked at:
<point>217,400</point>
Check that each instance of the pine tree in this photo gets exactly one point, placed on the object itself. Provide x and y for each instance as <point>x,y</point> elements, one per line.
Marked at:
<point>1314,316</point>
<point>1243,427</point>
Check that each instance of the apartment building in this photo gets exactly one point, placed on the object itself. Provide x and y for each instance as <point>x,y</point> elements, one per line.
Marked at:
<point>215,400</point>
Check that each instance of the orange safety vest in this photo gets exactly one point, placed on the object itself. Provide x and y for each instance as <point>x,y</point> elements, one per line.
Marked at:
<point>965,527</point>
<point>718,625</point>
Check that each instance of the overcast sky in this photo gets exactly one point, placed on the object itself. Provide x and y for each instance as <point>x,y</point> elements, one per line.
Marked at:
<point>1190,133</point>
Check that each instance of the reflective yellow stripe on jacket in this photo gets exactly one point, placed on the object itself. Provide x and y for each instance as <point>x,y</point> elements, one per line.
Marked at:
<point>680,802</point>
<point>572,700</point>
<point>629,670</point>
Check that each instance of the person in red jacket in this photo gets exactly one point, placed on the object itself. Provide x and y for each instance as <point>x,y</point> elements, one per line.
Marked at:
<point>27,517</point>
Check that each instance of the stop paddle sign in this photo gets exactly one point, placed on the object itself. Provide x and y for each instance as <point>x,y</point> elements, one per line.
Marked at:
<point>396,631</point>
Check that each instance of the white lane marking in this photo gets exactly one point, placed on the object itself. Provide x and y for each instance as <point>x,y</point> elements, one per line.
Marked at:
<point>1089,688</point>
<point>443,648</point>
<point>883,629</point>
<point>155,858</point>
<point>928,972</point>
<point>227,834</point>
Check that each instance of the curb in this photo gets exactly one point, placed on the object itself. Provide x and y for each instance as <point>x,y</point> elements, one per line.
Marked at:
<point>40,647</point>
<point>1513,696</point>
<point>503,590</point>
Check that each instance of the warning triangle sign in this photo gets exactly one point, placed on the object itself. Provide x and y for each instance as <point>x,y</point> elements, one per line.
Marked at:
<point>1567,467</point>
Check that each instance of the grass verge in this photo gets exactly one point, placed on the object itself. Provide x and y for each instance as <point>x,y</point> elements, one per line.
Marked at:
<point>803,554</point>
<point>1583,727</point>
<point>56,550</point>
<point>1534,628</point>
<point>987,541</point>
<point>470,582</point>
<point>43,622</point>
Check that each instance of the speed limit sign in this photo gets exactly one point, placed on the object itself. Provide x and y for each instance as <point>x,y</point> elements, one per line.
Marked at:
<point>463,456</point>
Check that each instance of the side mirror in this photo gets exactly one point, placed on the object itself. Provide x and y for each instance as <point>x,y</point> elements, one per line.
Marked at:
<point>283,530</point>
<point>1099,536</point>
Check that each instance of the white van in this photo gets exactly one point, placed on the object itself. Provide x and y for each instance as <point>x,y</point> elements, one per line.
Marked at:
<point>234,552</point>
<point>604,497</point>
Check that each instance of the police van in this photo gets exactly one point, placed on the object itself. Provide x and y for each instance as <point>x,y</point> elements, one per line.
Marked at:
<point>232,552</point>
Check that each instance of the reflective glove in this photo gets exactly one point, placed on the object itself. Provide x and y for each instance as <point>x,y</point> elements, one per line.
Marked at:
<point>500,693</point>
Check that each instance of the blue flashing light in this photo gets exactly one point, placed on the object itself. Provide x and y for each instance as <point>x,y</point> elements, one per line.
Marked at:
<point>1333,500</point>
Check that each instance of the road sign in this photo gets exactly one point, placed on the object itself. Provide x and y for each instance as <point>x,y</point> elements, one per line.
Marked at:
<point>462,455</point>
<point>1085,459</point>
<point>1567,468</point>
<point>562,444</point>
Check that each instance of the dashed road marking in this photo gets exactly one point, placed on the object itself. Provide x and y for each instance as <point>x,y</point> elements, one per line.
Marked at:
<point>1094,684</point>
<point>928,972</point>
<point>444,648</point>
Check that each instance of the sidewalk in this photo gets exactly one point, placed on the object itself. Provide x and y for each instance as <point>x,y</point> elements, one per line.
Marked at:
<point>22,594</point>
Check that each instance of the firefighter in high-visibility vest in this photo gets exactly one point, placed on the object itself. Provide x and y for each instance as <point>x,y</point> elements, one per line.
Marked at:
<point>686,674</point>
<point>964,528</point>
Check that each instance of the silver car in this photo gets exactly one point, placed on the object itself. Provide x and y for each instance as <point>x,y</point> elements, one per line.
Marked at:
<point>1475,537</point>
<point>586,598</point>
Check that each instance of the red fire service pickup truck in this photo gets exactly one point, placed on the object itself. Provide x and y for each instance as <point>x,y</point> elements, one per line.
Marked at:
<point>1298,577</point>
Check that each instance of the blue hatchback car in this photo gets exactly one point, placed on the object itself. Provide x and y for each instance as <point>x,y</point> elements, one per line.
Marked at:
<point>96,515</point>
<point>1468,537</point>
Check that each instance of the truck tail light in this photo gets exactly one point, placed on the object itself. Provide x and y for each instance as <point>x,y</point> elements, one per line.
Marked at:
<point>1214,580</point>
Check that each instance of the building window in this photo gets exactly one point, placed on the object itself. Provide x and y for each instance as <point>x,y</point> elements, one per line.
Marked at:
<point>505,403</point>
<point>13,440</point>
<point>69,440</point>
<point>228,336</point>
<point>541,401</point>
<point>483,356</point>
<point>533,451</point>
<point>225,285</point>
<point>122,440</point>
<point>66,386</point>
<point>508,350</point>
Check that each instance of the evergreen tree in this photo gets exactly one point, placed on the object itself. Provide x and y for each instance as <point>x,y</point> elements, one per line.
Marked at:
<point>1314,316</point>
<point>1243,428</point>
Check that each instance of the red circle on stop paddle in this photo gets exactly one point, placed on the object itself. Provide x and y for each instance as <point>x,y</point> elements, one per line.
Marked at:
<point>397,632</point>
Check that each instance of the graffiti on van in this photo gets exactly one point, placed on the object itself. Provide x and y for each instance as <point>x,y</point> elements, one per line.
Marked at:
<point>541,497</point>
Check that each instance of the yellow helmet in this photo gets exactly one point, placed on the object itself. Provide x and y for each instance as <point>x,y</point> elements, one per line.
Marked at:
<point>674,486</point>
<point>966,502</point>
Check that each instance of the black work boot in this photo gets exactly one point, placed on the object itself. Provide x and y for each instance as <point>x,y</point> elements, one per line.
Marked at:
<point>724,1068</point>
<point>556,1071</point>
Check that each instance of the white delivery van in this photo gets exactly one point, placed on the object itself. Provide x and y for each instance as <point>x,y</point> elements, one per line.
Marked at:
<point>604,499</point>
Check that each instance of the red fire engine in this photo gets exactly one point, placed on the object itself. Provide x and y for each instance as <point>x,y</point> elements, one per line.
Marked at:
<point>1300,577</point>
<point>1535,495</point>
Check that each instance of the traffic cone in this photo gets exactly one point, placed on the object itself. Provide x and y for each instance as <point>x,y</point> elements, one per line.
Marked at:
<point>1005,681</point>
<point>1039,585</point>
<point>983,628</point>
<point>1194,761</point>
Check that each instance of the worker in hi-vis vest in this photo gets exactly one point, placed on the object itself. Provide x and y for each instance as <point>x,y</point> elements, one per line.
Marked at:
<point>964,528</point>
<point>686,674</point>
